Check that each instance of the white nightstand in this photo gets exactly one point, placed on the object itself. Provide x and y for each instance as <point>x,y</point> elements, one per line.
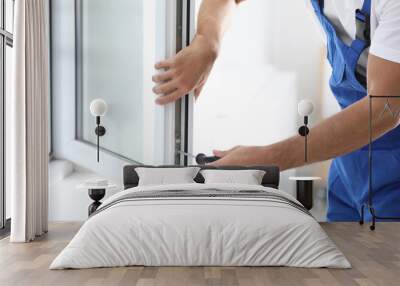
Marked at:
<point>96,193</point>
<point>304,190</point>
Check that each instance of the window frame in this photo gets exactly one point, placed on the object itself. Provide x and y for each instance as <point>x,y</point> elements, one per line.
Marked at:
<point>63,69</point>
<point>178,117</point>
<point>185,30</point>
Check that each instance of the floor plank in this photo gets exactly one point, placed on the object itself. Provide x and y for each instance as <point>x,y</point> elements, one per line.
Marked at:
<point>375,257</point>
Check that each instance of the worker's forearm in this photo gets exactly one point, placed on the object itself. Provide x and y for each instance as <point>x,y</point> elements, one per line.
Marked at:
<point>349,129</point>
<point>338,135</point>
<point>213,18</point>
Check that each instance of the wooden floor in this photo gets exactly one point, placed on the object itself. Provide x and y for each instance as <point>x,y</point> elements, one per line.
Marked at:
<point>375,257</point>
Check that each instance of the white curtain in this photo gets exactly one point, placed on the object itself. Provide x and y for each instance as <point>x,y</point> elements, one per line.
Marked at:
<point>28,121</point>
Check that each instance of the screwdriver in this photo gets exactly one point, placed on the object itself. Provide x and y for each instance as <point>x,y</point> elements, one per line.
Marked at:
<point>201,158</point>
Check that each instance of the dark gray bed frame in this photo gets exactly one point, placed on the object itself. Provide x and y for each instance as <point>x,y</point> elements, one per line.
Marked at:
<point>270,179</point>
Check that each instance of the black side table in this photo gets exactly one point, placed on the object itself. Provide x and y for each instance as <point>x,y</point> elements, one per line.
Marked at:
<point>96,193</point>
<point>304,190</point>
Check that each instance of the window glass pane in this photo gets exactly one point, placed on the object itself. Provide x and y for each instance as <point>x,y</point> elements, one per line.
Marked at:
<point>8,89</point>
<point>121,41</point>
<point>1,15</point>
<point>9,15</point>
<point>2,197</point>
<point>49,125</point>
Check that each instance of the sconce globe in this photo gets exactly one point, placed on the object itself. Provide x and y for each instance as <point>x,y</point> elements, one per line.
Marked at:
<point>98,107</point>
<point>305,107</point>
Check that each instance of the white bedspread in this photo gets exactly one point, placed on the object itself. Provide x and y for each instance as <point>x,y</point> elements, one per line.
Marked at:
<point>202,232</point>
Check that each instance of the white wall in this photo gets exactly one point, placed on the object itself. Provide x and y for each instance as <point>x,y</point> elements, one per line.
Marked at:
<point>66,201</point>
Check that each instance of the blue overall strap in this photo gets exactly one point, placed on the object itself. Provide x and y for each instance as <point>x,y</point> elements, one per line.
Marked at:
<point>363,22</point>
<point>366,8</point>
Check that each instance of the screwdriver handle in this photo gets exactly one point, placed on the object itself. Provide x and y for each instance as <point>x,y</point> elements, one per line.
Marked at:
<point>203,159</point>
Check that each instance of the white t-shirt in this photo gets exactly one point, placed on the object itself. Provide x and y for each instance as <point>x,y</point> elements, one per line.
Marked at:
<point>385,26</point>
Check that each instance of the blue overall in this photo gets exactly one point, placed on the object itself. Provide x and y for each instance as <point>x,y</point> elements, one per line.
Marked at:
<point>348,175</point>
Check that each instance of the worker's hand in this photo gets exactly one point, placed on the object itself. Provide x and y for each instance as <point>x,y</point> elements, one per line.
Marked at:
<point>241,155</point>
<point>186,71</point>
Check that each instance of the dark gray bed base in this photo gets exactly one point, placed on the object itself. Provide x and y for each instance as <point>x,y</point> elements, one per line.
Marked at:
<point>270,179</point>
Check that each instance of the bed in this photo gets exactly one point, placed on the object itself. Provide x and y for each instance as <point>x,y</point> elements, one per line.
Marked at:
<point>201,224</point>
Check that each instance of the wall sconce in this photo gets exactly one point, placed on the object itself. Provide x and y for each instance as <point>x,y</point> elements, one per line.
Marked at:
<point>98,108</point>
<point>305,108</point>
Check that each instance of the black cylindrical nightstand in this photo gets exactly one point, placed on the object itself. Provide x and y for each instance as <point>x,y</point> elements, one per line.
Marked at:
<point>96,193</point>
<point>304,190</point>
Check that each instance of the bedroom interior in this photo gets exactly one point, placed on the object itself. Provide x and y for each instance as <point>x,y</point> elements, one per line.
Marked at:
<point>101,186</point>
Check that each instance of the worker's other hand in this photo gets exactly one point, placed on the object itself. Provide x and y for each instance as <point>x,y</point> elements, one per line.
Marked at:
<point>241,156</point>
<point>185,72</point>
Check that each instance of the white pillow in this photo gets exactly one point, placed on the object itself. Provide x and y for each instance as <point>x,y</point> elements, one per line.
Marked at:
<point>247,177</point>
<point>166,176</point>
